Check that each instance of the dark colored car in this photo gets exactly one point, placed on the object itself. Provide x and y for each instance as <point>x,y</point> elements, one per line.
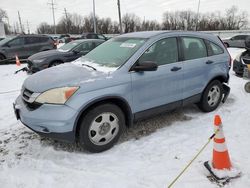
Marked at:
<point>236,41</point>
<point>242,59</point>
<point>93,36</point>
<point>25,45</point>
<point>66,53</point>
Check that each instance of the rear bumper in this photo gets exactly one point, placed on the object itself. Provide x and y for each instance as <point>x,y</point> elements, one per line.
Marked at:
<point>54,121</point>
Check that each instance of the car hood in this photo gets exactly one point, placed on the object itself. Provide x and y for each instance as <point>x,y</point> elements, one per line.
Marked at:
<point>60,76</point>
<point>46,54</point>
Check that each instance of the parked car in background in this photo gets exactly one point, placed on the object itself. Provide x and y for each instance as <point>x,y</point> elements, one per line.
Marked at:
<point>242,59</point>
<point>127,78</point>
<point>93,36</point>
<point>1,38</point>
<point>237,41</point>
<point>25,45</point>
<point>64,38</point>
<point>66,53</point>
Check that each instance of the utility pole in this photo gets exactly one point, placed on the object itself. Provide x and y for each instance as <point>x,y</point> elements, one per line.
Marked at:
<point>53,12</point>
<point>94,21</point>
<point>119,12</point>
<point>67,20</point>
<point>197,15</point>
<point>20,22</point>
<point>28,27</point>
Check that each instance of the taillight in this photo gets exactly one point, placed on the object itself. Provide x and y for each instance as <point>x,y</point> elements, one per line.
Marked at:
<point>230,59</point>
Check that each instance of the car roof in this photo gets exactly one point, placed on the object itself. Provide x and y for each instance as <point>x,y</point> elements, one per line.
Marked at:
<point>150,34</point>
<point>88,40</point>
<point>32,35</point>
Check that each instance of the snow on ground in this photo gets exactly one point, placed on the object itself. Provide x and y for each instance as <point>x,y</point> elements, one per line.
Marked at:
<point>149,155</point>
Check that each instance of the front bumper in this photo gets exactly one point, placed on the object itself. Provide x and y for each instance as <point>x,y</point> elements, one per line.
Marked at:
<point>54,121</point>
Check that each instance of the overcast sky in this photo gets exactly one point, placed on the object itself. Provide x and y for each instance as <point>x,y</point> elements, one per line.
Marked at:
<point>37,11</point>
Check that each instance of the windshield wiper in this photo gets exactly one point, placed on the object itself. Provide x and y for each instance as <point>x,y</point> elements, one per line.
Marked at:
<point>89,66</point>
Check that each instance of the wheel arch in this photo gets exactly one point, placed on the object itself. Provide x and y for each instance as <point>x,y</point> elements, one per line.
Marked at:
<point>55,60</point>
<point>221,78</point>
<point>119,101</point>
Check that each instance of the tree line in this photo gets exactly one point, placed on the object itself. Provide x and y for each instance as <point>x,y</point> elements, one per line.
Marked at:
<point>231,19</point>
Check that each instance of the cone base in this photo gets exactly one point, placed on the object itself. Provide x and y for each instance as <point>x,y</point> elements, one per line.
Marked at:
<point>221,181</point>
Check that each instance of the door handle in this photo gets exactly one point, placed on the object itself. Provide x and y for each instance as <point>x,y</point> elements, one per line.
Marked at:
<point>209,62</point>
<point>176,68</point>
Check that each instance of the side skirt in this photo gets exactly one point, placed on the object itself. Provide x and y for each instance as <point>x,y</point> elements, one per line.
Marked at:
<point>165,108</point>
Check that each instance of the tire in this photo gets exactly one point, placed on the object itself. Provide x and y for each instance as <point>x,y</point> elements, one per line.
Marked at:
<point>211,96</point>
<point>247,87</point>
<point>101,127</point>
<point>55,63</point>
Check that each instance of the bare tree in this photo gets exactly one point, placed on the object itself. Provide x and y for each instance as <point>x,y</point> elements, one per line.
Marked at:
<point>3,14</point>
<point>131,23</point>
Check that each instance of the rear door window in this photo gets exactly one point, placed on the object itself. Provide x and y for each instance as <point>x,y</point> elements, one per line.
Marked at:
<point>31,40</point>
<point>43,39</point>
<point>193,48</point>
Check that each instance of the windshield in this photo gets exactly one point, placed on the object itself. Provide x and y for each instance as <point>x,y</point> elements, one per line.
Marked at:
<point>114,52</point>
<point>69,46</point>
<point>5,40</point>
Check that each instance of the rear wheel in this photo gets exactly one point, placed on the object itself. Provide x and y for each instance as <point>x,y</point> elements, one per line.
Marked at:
<point>101,127</point>
<point>211,96</point>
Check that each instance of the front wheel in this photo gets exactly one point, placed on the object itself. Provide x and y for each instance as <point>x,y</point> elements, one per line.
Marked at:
<point>101,127</point>
<point>211,96</point>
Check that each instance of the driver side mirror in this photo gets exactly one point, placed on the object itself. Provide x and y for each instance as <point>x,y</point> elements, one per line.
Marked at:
<point>145,66</point>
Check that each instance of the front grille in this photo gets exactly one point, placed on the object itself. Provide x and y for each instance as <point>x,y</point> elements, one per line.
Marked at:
<point>29,98</point>
<point>27,94</point>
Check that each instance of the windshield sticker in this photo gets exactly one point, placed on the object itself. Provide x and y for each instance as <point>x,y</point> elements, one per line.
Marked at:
<point>128,45</point>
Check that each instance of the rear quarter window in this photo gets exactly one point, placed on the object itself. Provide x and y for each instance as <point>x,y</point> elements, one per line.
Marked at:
<point>213,49</point>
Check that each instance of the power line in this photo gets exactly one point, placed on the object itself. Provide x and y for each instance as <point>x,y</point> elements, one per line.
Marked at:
<point>53,13</point>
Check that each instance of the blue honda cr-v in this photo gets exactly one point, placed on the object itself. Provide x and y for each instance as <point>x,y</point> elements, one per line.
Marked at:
<point>127,78</point>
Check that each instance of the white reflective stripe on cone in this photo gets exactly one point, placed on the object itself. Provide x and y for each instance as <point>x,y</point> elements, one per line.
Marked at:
<point>220,134</point>
<point>220,147</point>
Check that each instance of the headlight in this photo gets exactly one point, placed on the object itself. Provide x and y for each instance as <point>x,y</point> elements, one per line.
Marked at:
<point>237,58</point>
<point>38,60</point>
<point>57,95</point>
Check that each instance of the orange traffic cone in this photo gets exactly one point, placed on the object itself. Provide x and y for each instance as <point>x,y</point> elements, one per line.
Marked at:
<point>17,61</point>
<point>221,159</point>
